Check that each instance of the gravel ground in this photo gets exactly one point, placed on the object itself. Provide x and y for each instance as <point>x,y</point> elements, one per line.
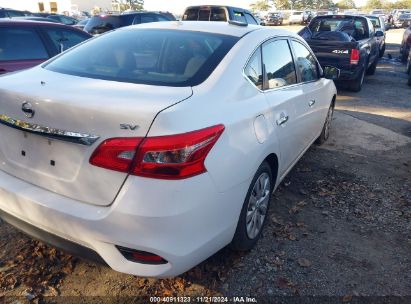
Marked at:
<point>338,229</point>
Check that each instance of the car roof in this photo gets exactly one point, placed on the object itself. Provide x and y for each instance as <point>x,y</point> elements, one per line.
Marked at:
<point>224,28</point>
<point>216,5</point>
<point>25,22</point>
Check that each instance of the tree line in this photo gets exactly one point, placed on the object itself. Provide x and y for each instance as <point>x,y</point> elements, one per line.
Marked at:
<point>265,5</point>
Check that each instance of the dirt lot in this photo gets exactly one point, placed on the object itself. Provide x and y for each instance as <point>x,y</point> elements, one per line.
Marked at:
<point>339,225</point>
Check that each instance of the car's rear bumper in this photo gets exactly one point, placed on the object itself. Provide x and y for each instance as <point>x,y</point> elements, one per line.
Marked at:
<point>182,221</point>
<point>348,75</point>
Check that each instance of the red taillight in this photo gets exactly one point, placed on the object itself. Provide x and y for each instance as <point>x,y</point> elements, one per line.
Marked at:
<point>166,157</point>
<point>355,56</point>
<point>115,153</point>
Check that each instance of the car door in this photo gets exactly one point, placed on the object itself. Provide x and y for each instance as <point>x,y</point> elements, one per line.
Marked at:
<point>20,48</point>
<point>282,92</point>
<point>311,108</point>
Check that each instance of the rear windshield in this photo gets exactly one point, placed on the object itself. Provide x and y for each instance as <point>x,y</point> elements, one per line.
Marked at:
<point>147,56</point>
<point>375,21</point>
<point>205,14</point>
<point>353,27</point>
<point>101,24</point>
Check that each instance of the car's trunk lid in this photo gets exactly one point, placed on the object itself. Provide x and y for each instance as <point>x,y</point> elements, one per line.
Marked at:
<point>89,110</point>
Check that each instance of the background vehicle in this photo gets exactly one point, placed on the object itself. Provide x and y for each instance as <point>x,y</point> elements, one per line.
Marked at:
<point>397,13</point>
<point>403,20</point>
<point>35,18</point>
<point>379,13</point>
<point>348,42</point>
<point>24,44</point>
<point>10,13</point>
<point>307,16</point>
<point>274,19</point>
<point>195,174</point>
<point>218,13</point>
<point>379,25</point>
<point>81,24</point>
<point>296,17</point>
<point>63,19</point>
<point>103,23</point>
<point>405,44</point>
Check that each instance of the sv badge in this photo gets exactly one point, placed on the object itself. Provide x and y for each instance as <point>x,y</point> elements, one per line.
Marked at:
<point>128,127</point>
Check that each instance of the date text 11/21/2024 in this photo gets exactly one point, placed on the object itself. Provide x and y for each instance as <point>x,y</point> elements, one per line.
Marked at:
<point>201,299</point>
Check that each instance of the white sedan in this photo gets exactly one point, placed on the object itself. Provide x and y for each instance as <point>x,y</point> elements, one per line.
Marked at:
<point>154,146</point>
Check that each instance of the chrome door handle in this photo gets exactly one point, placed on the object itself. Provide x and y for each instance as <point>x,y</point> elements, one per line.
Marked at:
<point>282,120</point>
<point>311,103</point>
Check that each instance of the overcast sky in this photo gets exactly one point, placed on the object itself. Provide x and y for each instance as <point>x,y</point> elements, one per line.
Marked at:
<point>177,6</point>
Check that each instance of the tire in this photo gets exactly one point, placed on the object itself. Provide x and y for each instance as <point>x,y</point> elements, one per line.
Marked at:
<point>255,207</point>
<point>356,84</point>
<point>382,51</point>
<point>373,67</point>
<point>404,57</point>
<point>325,132</point>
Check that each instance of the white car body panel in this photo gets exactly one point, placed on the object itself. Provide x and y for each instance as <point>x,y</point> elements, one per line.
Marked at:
<point>183,221</point>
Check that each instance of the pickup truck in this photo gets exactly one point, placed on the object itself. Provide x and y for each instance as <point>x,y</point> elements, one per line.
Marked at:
<point>346,42</point>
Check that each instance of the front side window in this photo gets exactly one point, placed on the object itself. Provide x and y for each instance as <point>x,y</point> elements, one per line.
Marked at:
<point>306,63</point>
<point>254,70</point>
<point>147,56</point>
<point>64,39</point>
<point>279,65</point>
<point>21,44</point>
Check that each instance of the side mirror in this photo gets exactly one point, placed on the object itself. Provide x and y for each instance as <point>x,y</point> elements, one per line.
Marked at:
<point>331,72</point>
<point>379,33</point>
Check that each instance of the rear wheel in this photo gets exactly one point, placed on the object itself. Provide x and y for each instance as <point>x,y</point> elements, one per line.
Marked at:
<point>255,209</point>
<point>382,51</point>
<point>404,57</point>
<point>325,133</point>
<point>356,84</point>
<point>373,67</point>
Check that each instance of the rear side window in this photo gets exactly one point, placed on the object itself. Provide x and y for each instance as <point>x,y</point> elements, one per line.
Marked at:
<point>15,14</point>
<point>64,39</point>
<point>306,63</point>
<point>250,19</point>
<point>21,44</point>
<point>254,70</point>
<point>279,65</point>
<point>239,16</point>
<point>205,14</point>
<point>147,56</point>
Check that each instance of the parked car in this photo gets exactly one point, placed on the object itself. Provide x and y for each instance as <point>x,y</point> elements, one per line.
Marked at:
<point>102,23</point>
<point>379,26</point>
<point>296,17</point>
<point>10,13</point>
<point>218,13</point>
<point>141,154</point>
<point>34,18</point>
<point>379,13</point>
<point>63,19</point>
<point>274,19</point>
<point>348,42</point>
<point>405,44</point>
<point>403,20</point>
<point>26,43</point>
